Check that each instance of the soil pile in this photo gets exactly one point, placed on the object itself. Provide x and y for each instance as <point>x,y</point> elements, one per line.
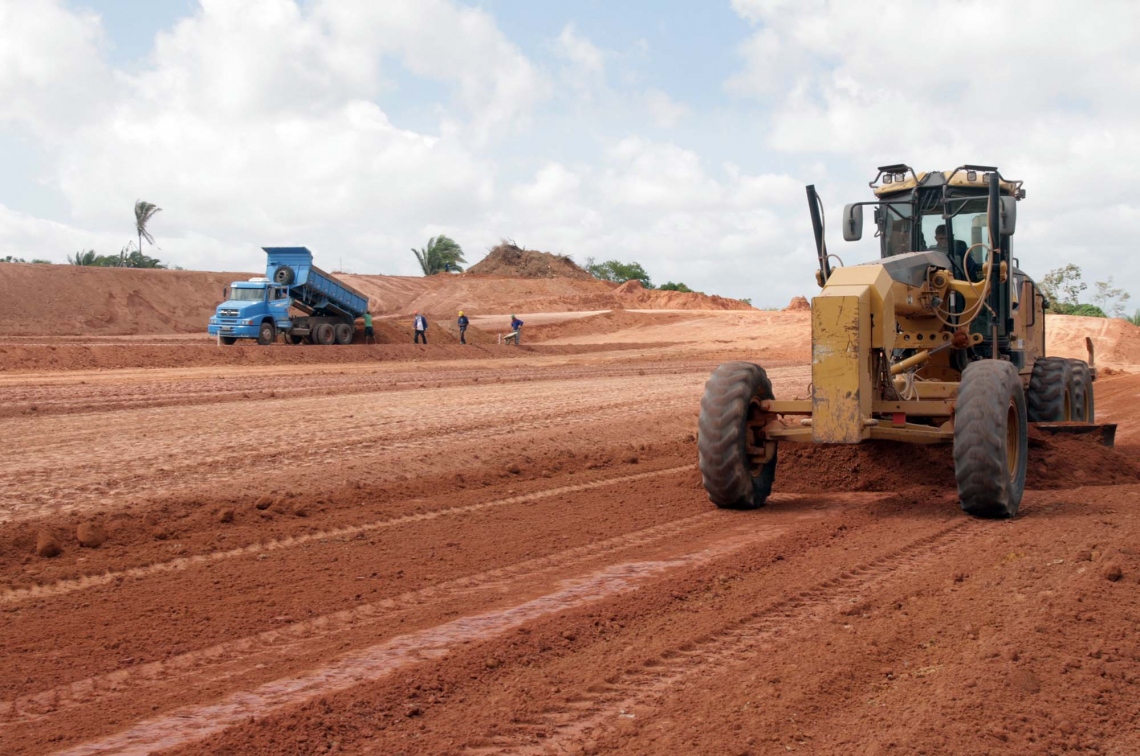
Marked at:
<point>1116,341</point>
<point>634,296</point>
<point>798,303</point>
<point>613,321</point>
<point>509,259</point>
<point>1055,462</point>
<point>63,300</point>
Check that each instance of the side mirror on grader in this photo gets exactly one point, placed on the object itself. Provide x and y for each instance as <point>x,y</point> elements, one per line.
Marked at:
<point>1008,215</point>
<point>942,340</point>
<point>852,222</point>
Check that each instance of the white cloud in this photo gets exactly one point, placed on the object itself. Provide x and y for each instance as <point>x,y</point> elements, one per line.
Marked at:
<point>361,128</point>
<point>663,109</point>
<point>50,71</point>
<point>1040,91</point>
<point>585,64</point>
<point>446,42</point>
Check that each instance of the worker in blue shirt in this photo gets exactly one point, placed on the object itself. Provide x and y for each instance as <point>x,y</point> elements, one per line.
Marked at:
<point>463,323</point>
<point>516,330</point>
<point>420,324</point>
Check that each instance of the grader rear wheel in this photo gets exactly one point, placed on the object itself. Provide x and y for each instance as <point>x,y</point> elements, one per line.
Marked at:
<point>1050,397</point>
<point>738,465</point>
<point>1084,404</point>
<point>991,440</point>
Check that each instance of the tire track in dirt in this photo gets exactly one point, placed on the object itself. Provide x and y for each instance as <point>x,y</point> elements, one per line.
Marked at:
<point>109,397</point>
<point>95,481</point>
<point>563,728</point>
<point>220,661</point>
<point>192,723</point>
<point>71,585</point>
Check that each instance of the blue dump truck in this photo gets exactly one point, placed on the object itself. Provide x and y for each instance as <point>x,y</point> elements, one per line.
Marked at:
<point>264,308</point>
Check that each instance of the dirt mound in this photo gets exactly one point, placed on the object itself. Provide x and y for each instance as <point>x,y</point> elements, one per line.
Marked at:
<point>1055,462</point>
<point>1116,341</point>
<point>509,259</point>
<point>633,295</point>
<point>798,303</point>
<point>62,300</point>
<point>606,322</point>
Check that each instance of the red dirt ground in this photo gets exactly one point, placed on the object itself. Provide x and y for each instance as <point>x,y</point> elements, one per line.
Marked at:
<point>392,548</point>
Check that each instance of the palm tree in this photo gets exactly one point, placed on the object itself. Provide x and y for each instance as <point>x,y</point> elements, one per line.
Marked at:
<point>84,258</point>
<point>441,254</point>
<point>144,211</point>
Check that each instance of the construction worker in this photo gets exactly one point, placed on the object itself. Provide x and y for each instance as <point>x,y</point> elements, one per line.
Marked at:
<point>420,324</point>
<point>368,332</point>
<point>516,330</point>
<point>463,323</point>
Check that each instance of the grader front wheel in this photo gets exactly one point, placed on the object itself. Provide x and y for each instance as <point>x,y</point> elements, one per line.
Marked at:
<point>738,465</point>
<point>991,440</point>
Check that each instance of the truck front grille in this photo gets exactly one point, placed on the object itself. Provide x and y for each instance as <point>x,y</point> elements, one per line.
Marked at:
<point>229,313</point>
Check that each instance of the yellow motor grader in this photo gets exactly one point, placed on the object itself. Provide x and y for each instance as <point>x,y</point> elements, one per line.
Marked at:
<point>942,340</point>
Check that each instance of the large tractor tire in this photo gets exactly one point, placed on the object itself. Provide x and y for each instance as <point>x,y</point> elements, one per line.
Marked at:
<point>344,333</point>
<point>283,275</point>
<point>1050,394</point>
<point>991,439</point>
<point>267,334</point>
<point>737,467</point>
<point>324,334</point>
<point>1084,402</point>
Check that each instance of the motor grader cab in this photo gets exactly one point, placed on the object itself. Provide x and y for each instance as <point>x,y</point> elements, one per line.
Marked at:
<point>941,340</point>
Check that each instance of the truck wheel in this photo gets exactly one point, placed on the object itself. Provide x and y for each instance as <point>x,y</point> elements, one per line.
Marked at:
<point>1084,404</point>
<point>343,333</point>
<point>991,439</point>
<point>295,339</point>
<point>1050,391</point>
<point>229,340</point>
<point>283,276</point>
<point>738,465</point>
<point>324,334</point>
<point>267,334</point>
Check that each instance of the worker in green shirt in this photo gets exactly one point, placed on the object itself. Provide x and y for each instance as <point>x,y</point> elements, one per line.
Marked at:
<point>368,332</point>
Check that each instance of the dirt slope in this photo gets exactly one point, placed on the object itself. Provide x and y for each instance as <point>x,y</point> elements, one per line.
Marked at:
<point>1116,341</point>
<point>55,300</point>
<point>73,300</point>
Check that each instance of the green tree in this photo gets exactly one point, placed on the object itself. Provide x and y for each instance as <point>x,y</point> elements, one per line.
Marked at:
<point>1135,319</point>
<point>131,258</point>
<point>618,272</point>
<point>144,211</point>
<point>34,260</point>
<point>84,258</point>
<point>1110,298</point>
<point>1063,286</point>
<point>670,286</point>
<point>441,254</point>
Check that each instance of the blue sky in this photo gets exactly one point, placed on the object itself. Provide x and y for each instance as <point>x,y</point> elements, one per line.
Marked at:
<point>676,134</point>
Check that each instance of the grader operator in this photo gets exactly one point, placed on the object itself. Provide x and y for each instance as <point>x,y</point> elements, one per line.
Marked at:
<point>942,340</point>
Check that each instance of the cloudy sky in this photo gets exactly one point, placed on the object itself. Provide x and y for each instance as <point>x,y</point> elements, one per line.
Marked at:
<point>676,133</point>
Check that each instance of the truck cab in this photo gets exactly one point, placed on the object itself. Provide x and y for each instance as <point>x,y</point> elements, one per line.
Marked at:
<point>254,309</point>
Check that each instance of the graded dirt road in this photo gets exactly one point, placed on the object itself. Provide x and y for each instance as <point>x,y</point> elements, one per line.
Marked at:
<point>510,552</point>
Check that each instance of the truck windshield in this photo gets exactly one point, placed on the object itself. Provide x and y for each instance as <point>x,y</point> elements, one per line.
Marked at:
<point>247,295</point>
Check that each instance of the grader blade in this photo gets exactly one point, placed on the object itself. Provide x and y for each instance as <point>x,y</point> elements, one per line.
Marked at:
<point>1106,431</point>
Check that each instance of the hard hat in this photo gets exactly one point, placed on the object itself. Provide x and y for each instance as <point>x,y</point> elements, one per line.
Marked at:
<point>461,312</point>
